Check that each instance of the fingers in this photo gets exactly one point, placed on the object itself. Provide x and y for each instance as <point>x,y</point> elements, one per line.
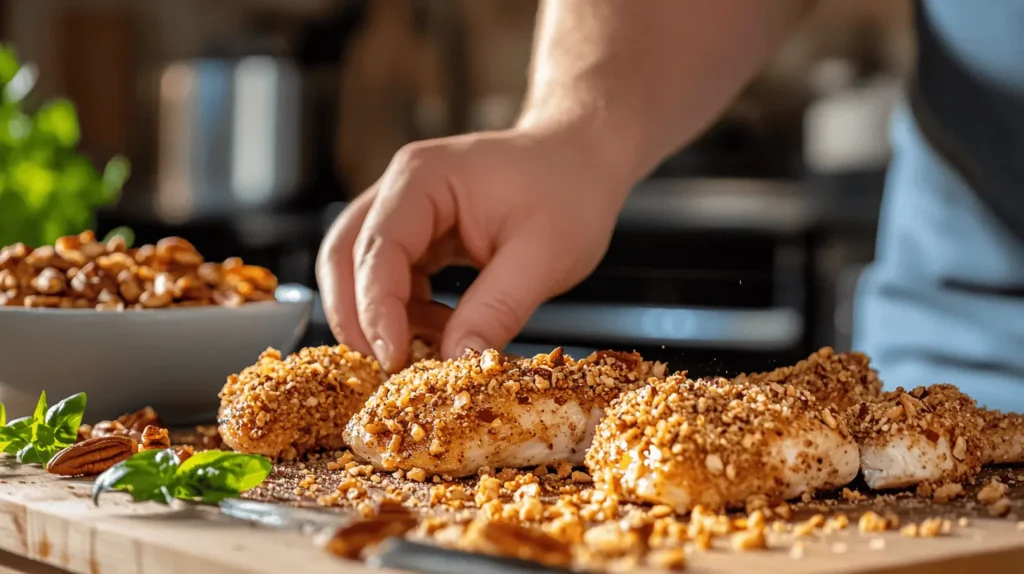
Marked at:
<point>427,319</point>
<point>334,274</point>
<point>414,207</point>
<point>520,276</point>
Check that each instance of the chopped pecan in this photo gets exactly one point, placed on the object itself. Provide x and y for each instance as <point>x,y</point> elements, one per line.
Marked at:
<point>503,539</point>
<point>108,428</point>
<point>629,360</point>
<point>392,519</point>
<point>154,438</point>
<point>91,456</point>
<point>184,453</point>
<point>209,437</point>
<point>140,419</point>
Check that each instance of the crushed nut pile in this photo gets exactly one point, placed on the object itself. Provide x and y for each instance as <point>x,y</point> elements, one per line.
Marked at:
<point>545,515</point>
<point>82,273</point>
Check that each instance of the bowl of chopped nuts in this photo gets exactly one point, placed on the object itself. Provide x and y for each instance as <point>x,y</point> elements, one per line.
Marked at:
<point>154,325</point>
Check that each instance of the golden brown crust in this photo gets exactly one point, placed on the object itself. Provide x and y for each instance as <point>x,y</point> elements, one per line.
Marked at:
<point>710,438</point>
<point>284,408</point>
<point>1005,434</point>
<point>840,380</point>
<point>925,415</point>
<point>432,414</point>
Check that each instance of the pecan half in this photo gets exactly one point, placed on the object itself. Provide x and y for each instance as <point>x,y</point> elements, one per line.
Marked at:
<point>91,456</point>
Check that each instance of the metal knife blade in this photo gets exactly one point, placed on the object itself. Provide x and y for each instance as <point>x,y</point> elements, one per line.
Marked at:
<point>281,516</point>
<point>394,553</point>
<point>405,555</point>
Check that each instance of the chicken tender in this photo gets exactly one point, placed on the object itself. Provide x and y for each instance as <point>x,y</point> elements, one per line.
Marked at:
<point>929,434</point>
<point>485,409</point>
<point>839,380</point>
<point>716,442</point>
<point>1005,435</point>
<point>285,408</point>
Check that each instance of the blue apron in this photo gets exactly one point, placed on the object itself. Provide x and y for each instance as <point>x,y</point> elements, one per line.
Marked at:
<point>944,299</point>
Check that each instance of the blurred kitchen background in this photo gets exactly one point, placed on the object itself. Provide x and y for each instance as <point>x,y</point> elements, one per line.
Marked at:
<point>249,123</point>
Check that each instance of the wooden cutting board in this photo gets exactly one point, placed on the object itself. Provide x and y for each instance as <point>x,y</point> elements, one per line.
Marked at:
<point>52,521</point>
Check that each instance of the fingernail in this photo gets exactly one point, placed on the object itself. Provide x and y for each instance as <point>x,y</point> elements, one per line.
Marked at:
<point>472,343</point>
<point>382,351</point>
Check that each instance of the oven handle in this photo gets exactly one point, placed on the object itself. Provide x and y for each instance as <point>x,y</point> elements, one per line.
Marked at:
<point>773,329</point>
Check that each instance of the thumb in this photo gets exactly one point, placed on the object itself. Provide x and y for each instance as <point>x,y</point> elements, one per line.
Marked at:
<point>522,274</point>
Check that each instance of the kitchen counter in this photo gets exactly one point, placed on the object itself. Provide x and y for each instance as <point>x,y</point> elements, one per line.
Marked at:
<point>52,523</point>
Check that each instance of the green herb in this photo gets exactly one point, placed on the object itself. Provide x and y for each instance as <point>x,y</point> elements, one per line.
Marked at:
<point>38,437</point>
<point>208,476</point>
<point>47,188</point>
<point>123,232</point>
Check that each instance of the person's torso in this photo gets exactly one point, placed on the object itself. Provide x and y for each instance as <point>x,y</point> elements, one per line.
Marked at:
<point>988,37</point>
<point>967,96</point>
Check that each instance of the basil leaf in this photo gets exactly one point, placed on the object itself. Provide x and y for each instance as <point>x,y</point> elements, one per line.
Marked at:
<point>17,428</point>
<point>110,479</point>
<point>148,475</point>
<point>234,471</point>
<point>3,415</point>
<point>27,454</point>
<point>213,475</point>
<point>40,412</point>
<point>16,435</point>
<point>203,459</point>
<point>46,444</point>
<point>65,417</point>
<point>209,476</point>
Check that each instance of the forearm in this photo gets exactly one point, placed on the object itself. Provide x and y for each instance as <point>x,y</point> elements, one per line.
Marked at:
<point>644,77</point>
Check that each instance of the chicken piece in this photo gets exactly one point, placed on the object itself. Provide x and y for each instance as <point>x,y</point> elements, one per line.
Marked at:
<point>716,442</point>
<point>285,408</point>
<point>839,380</point>
<point>456,416</point>
<point>930,434</point>
<point>1005,434</point>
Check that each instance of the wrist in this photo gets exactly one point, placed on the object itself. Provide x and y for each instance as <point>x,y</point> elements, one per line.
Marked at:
<point>602,147</point>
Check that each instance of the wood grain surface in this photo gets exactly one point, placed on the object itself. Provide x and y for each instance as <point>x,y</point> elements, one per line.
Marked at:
<point>52,521</point>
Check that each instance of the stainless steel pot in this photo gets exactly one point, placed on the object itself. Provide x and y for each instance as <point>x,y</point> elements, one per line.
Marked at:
<point>229,136</point>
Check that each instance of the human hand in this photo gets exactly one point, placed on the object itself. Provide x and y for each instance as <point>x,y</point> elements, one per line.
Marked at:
<point>532,210</point>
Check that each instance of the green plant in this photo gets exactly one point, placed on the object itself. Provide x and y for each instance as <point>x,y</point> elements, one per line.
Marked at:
<point>209,476</point>
<point>38,437</point>
<point>47,188</point>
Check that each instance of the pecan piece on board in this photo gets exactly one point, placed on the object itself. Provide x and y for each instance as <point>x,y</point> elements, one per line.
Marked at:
<point>140,419</point>
<point>512,540</point>
<point>155,438</point>
<point>392,519</point>
<point>91,456</point>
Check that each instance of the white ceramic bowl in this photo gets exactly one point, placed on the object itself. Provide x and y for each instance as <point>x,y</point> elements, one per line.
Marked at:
<point>175,360</point>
